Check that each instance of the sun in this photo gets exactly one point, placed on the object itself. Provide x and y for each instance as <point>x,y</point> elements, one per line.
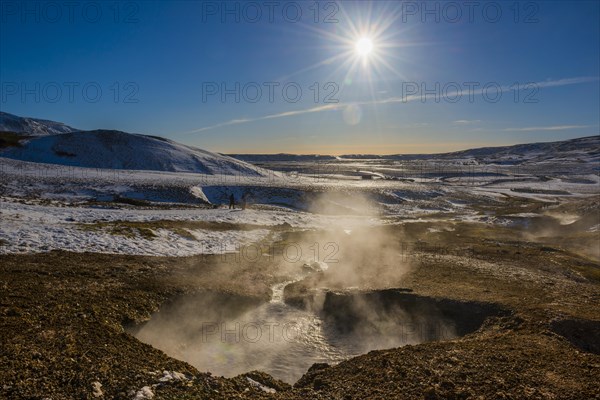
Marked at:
<point>364,46</point>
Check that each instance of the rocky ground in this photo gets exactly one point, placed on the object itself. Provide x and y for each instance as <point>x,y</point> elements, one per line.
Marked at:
<point>62,319</point>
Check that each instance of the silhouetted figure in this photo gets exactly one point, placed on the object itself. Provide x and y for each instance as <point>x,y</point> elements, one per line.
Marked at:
<point>231,202</point>
<point>244,200</point>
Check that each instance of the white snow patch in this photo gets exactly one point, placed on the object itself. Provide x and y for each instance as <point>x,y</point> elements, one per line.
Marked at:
<point>26,228</point>
<point>172,376</point>
<point>197,192</point>
<point>260,386</point>
<point>144,393</point>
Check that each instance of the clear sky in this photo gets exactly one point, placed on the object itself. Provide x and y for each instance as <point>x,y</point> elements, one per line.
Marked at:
<point>383,77</point>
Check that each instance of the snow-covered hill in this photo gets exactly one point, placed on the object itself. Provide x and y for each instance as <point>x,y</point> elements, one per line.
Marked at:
<point>585,149</point>
<point>121,150</point>
<point>31,126</point>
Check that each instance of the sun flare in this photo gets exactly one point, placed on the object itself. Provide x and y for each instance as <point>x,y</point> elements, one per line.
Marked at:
<point>364,46</point>
<point>364,49</point>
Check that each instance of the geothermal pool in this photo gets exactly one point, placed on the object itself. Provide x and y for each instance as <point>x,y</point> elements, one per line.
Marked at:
<point>229,335</point>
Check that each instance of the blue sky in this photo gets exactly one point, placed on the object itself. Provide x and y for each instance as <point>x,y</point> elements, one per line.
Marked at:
<point>161,67</point>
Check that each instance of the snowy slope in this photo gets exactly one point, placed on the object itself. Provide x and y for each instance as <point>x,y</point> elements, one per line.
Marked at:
<point>31,126</point>
<point>121,150</point>
<point>585,149</point>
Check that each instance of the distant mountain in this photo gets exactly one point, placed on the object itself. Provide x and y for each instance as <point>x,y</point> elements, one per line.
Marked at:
<point>586,149</point>
<point>583,149</point>
<point>281,157</point>
<point>38,140</point>
<point>31,126</point>
<point>55,143</point>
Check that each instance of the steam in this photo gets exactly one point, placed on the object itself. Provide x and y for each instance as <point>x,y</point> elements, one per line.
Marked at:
<point>577,232</point>
<point>229,335</point>
<point>345,283</point>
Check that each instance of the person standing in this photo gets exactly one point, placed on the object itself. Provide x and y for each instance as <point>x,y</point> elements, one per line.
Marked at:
<point>231,202</point>
<point>244,199</point>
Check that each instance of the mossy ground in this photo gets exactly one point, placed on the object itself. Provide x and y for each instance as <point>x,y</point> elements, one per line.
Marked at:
<point>62,317</point>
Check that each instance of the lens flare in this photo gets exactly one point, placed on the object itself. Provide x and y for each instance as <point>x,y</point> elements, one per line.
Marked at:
<point>364,46</point>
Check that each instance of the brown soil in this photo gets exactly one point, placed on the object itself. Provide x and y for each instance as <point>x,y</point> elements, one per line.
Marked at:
<point>62,316</point>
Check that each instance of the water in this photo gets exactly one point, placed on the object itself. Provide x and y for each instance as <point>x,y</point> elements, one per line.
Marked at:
<point>292,340</point>
<point>274,337</point>
<point>229,336</point>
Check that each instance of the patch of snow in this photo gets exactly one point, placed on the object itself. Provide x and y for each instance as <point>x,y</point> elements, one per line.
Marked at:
<point>260,386</point>
<point>144,393</point>
<point>26,228</point>
<point>172,376</point>
<point>523,215</point>
<point>198,193</point>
